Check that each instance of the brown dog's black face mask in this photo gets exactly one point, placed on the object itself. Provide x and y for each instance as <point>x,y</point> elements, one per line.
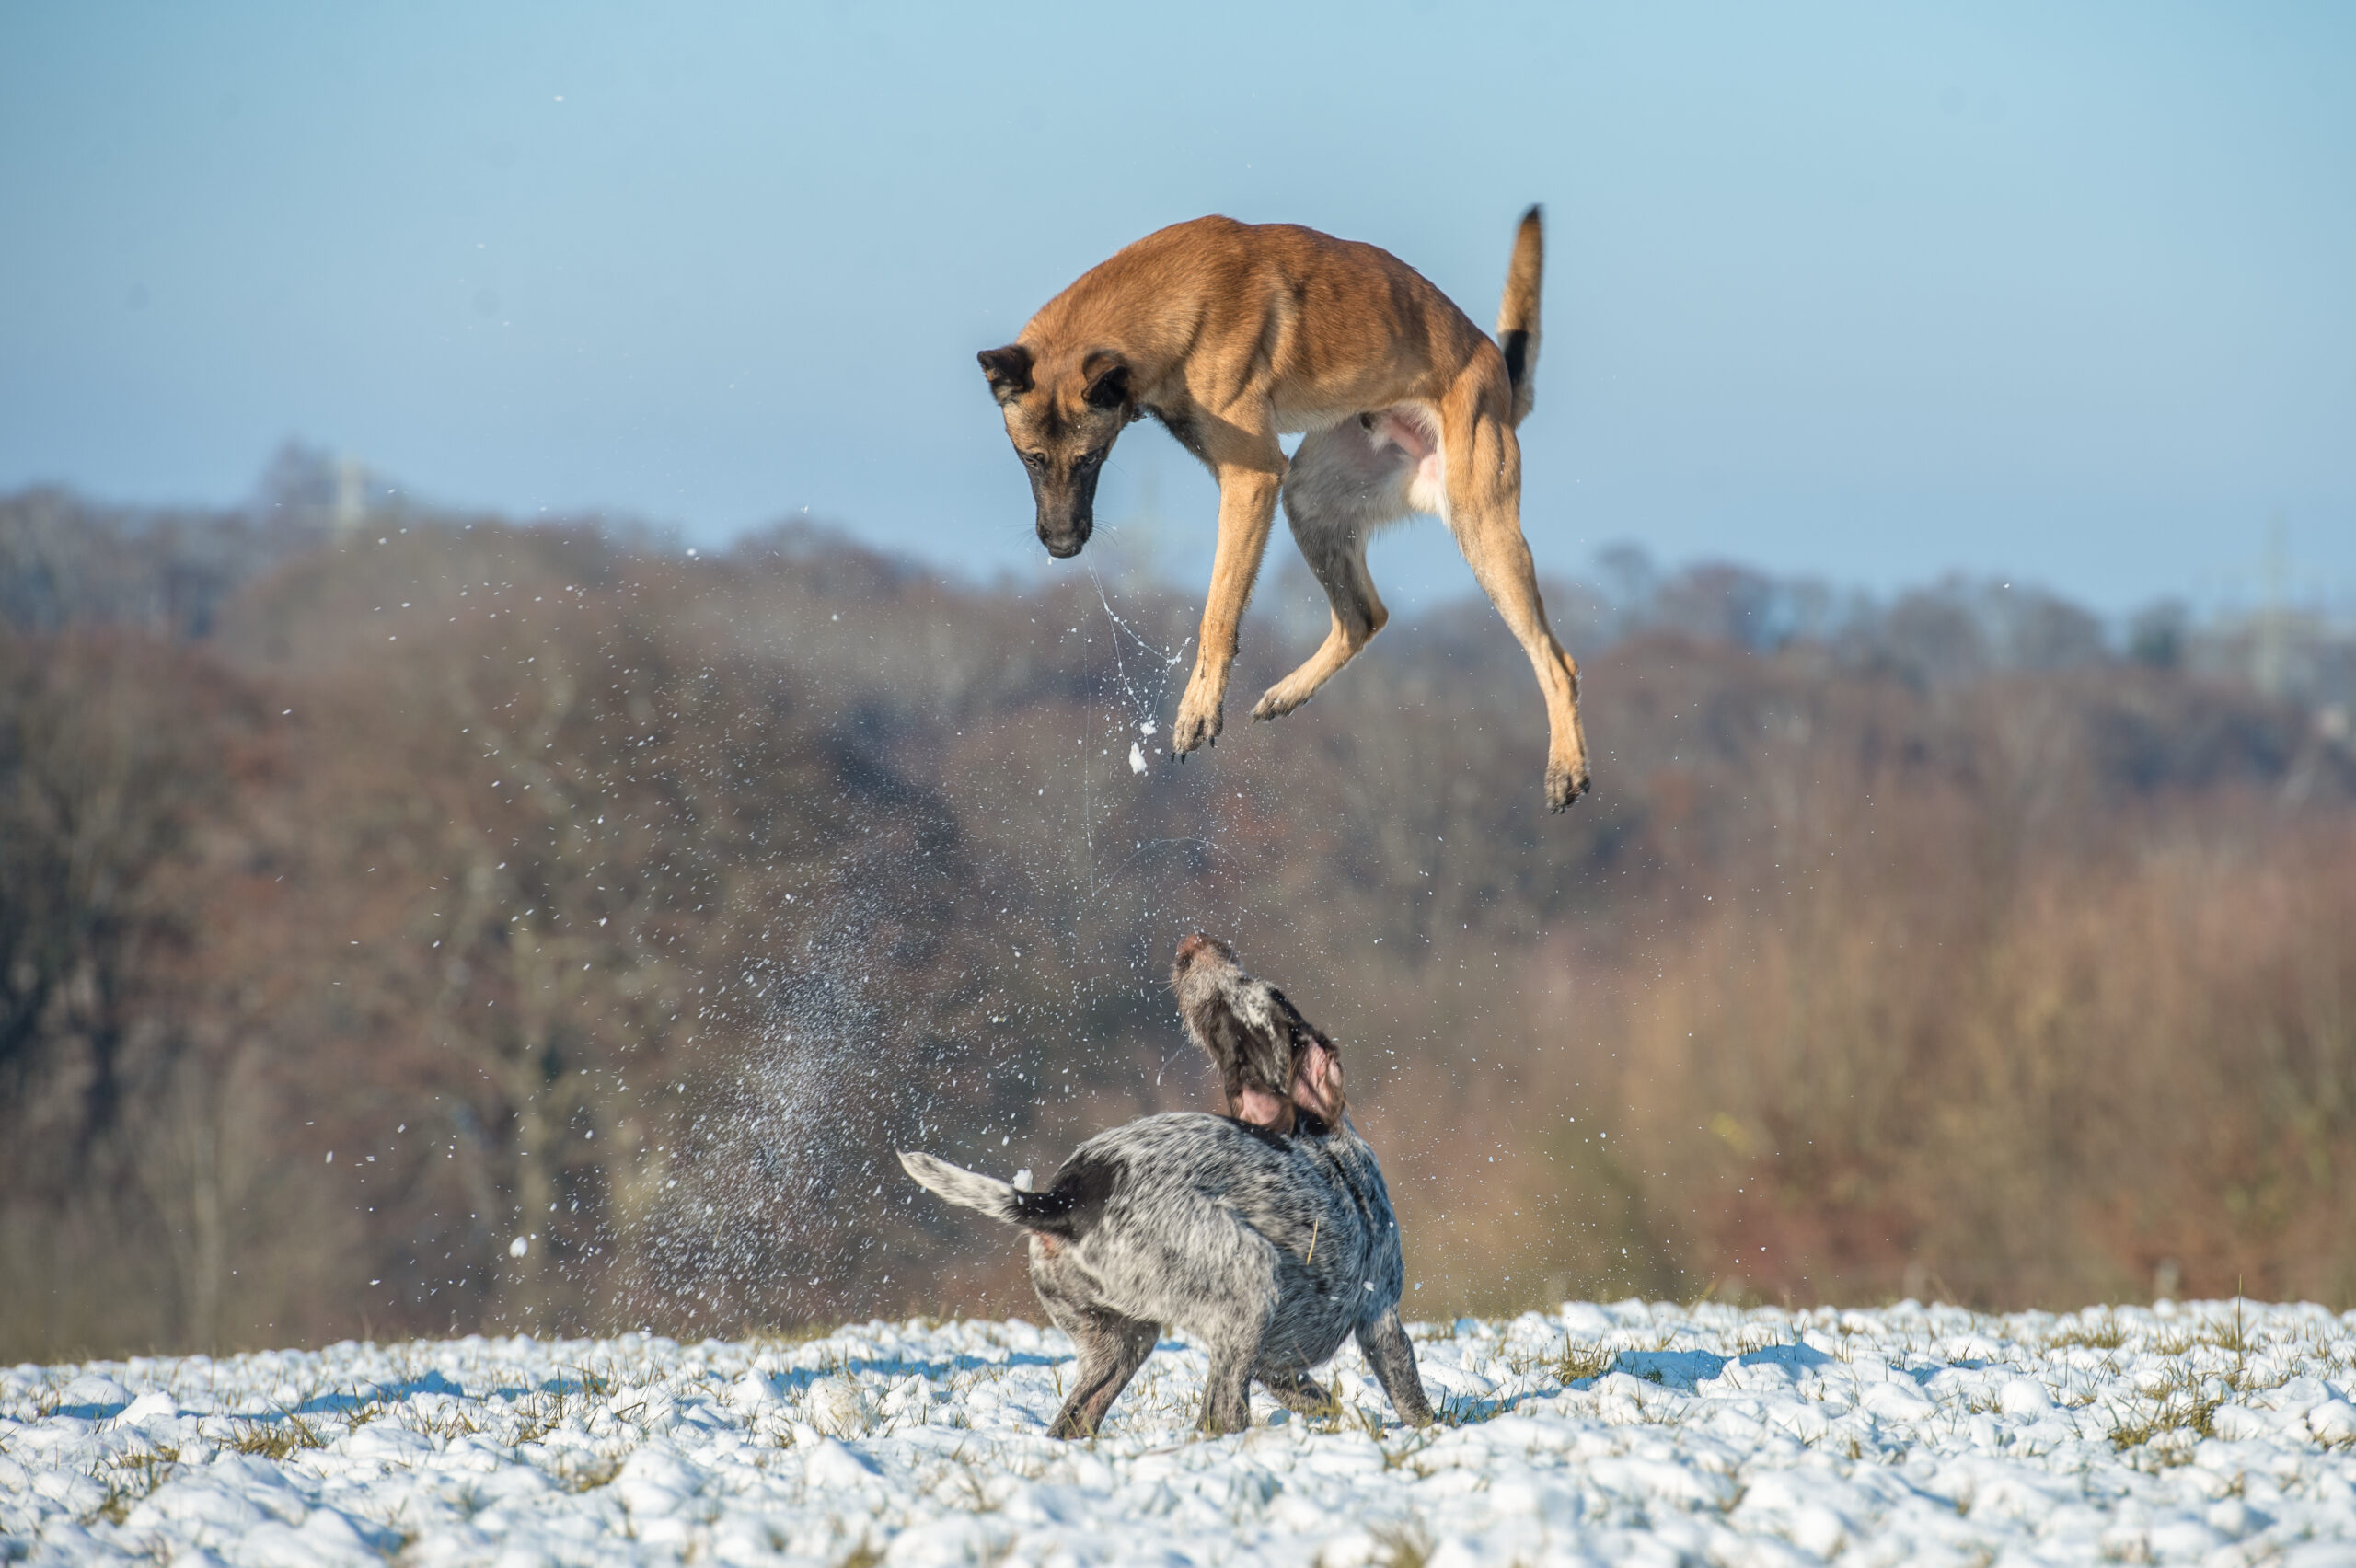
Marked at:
<point>1063,427</point>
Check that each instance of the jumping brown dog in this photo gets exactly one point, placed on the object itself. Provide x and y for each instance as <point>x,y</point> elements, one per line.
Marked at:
<point>1232,335</point>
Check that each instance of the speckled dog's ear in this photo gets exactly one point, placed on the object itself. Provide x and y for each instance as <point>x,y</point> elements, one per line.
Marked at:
<point>1313,1075</point>
<point>1274,1065</point>
<point>1317,1077</point>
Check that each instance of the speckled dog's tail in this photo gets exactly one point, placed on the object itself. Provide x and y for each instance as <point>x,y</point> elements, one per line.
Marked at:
<point>1058,1211</point>
<point>1000,1200</point>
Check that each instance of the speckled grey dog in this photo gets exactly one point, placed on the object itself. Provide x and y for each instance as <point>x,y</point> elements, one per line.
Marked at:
<point>1268,1246</point>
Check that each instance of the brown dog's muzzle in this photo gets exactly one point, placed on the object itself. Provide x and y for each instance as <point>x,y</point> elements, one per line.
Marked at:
<point>1067,509</point>
<point>1065,538</point>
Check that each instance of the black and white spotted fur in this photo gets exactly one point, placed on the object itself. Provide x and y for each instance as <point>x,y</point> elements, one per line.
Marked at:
<point>1269,1248</point>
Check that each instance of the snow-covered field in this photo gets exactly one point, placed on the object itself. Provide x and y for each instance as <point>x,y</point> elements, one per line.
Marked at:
<point>1629,1433</point>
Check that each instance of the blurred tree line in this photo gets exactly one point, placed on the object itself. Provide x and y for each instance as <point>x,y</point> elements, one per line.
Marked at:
<point>416,922</point>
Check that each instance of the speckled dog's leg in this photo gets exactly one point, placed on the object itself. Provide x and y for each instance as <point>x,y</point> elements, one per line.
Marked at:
<point>1298,1391</point>
<point>1391,1354</point>
<point>1108,1360</point>
<point>1226,1393</point>
<point>1112,1345</point>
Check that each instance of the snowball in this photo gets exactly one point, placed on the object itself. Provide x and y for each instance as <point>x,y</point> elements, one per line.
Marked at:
<point>839,1407</point>
<point>751,1392</point>
<point>149,1405</point>
<point>94,1391</point>
<point>831,1464</point>
<point>2023,1396</point>
<point>2333,1421</point>
<point>2236,1423</point>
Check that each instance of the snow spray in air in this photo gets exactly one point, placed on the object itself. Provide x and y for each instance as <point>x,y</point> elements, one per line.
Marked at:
<point>867,1018</point>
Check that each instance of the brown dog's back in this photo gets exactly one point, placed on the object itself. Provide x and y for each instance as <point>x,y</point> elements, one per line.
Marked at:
<point>1213,311</point>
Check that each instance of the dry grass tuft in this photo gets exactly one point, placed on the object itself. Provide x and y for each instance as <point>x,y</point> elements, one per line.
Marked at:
<point>1405,1543</point>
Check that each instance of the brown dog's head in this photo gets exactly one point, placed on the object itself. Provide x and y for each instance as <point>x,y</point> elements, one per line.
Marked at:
<point>1275,1066</point>
<point>1062,413</point>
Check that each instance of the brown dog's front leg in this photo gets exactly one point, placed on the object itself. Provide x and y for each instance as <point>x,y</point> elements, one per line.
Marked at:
<point>1247,510</point>
<point>1392,1356</point>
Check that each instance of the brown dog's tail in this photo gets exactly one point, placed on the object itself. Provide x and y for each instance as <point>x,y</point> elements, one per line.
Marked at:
<point>1517,317</point>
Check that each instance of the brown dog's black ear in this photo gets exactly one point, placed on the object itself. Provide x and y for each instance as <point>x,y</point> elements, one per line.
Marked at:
<point>1009,369</point>
<point>1108,380</point>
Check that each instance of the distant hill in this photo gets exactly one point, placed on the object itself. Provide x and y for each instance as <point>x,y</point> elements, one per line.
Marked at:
<point>571,891</point>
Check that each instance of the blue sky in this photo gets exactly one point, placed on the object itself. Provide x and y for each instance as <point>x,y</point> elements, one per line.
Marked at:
<point>1872,291</point>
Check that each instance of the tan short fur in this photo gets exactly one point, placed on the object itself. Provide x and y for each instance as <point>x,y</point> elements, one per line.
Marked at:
<point>1233,335</point>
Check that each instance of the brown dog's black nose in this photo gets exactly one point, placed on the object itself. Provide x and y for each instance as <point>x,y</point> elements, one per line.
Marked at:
<point>1191,947</point>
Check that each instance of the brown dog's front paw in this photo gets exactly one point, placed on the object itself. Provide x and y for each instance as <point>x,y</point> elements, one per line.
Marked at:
<point>1198,724</point>
<point>1563,785</point>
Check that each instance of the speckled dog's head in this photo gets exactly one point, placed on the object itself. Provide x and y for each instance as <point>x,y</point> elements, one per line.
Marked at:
<point>1277,1069</point>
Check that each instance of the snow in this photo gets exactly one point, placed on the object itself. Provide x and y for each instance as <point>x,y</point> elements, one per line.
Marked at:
<point>2216,1434</point>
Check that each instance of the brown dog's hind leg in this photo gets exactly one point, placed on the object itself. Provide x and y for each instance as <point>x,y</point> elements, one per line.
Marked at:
<point>1484,513</point>
<point>1251,467</point>
<point>1342,484</point>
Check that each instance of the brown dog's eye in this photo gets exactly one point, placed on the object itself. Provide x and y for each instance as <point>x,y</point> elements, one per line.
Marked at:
<point>1037,459</point>
<point>1087,459</point>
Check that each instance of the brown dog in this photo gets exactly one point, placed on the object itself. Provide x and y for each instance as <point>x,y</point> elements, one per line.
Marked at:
<point>1233,335</point>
